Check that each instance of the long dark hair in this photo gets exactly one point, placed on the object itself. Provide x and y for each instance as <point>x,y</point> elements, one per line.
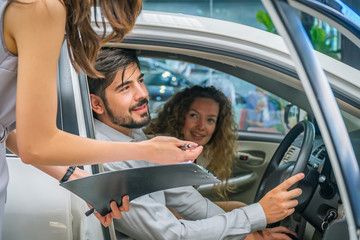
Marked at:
<point>83,42</point>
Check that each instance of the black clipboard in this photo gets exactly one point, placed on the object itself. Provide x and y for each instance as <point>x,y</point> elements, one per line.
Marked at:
<point>100,189</point>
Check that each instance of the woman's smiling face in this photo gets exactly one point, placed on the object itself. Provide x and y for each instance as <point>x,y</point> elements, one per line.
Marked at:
<point>200,121</point>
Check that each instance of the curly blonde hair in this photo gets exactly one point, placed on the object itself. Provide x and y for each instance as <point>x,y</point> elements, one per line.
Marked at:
<point>220,148</point>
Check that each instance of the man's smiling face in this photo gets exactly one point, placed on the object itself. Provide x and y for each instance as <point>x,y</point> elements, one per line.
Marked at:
<point>126,100</point>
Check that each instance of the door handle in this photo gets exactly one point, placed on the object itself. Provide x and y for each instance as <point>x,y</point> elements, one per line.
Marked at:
<point>249,158</point>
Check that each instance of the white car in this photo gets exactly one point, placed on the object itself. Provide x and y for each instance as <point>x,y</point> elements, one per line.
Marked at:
<point>302,83</point>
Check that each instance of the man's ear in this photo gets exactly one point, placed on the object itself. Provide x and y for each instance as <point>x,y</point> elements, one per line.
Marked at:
<point>97,104</point>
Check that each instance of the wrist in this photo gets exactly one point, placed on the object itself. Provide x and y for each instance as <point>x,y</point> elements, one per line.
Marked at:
<point>262,204</point>
<point>68,174</point>
<point>78,173</point>
<point>147,150</point>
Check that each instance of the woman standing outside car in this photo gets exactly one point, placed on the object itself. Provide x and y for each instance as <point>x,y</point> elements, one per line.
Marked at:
<point>32,33</point>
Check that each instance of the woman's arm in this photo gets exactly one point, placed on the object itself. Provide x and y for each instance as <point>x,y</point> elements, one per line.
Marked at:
<point>37,32</point>
<point>58,172</point>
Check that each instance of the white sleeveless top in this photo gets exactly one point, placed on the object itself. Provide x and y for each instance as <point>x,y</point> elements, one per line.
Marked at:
<point>8,77</point>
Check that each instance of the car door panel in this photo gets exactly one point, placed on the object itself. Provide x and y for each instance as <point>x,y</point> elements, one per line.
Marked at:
<point>35,201</point>
<point>252,155</point>
<point>259,154</point>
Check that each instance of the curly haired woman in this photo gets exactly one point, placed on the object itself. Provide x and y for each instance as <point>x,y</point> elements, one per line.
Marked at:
<point>202,115</point>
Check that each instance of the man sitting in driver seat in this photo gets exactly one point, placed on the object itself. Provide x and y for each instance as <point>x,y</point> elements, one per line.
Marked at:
<point>120,106</point>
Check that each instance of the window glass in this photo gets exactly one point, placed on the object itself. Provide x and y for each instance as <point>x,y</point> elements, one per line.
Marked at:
<point>254,108</point>
<point>329,41</point>
<point>324,37</point>
<point>239,11</point>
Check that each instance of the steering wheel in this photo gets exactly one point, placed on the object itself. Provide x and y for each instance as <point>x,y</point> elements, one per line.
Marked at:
<point>275,174</point>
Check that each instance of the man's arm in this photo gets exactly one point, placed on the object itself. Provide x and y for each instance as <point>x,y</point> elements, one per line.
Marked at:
<point>190,204</point>
<point>157,222</point>
<point>204,219</point>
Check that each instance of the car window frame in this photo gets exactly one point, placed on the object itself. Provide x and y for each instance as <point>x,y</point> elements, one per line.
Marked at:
<point>332,126</point>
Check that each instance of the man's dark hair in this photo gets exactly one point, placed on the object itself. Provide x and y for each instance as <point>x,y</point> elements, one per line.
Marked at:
<point>108,62</point>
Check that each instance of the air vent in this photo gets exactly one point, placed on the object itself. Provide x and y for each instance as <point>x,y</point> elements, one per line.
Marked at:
<point>320,152</point>
<point>288,154</point>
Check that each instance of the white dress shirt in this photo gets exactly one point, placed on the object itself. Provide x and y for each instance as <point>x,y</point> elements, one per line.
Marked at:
<point>149,217</point>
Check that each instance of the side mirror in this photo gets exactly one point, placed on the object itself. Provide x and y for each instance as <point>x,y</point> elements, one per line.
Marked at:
<point>291,115</point>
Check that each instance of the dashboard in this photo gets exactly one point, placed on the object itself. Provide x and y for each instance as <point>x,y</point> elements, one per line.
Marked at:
<point>320,202</point>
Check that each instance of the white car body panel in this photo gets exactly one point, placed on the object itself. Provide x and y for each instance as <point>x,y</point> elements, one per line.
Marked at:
<point>36,206</point>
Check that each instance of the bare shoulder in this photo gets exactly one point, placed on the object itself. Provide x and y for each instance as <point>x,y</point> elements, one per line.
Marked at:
<point>33,12</point>
<point>41,6</point>
<point>32,17</point>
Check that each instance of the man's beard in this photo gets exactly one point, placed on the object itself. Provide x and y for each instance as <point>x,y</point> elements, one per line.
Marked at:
<point>129,121</point>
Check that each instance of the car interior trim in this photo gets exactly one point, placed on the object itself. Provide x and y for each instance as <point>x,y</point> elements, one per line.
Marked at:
<point>250,177</point>
<point>259,136</point>
<point>66,105</point>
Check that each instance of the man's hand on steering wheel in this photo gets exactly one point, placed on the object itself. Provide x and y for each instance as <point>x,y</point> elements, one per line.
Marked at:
<point>279,202</point>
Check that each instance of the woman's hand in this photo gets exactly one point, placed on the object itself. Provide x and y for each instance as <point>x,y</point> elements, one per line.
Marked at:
<point>115,211</point>
<point>168,150</point>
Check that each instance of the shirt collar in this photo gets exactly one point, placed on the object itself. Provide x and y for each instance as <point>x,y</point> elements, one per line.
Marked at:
<point>112,134</point>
